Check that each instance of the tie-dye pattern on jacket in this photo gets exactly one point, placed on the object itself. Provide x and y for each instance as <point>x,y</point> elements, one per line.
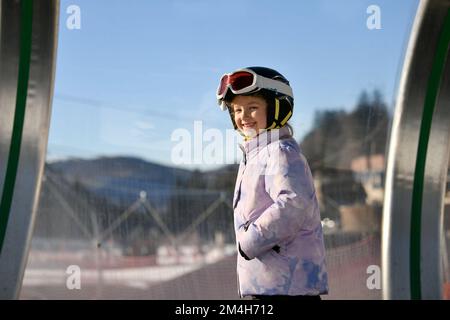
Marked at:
<point>275,204</point>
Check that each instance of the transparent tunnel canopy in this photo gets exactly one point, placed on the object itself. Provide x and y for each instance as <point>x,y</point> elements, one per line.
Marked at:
<point>136,200</point>
<point>446,241</point>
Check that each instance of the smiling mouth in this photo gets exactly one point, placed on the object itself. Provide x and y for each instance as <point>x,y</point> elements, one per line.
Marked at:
<point>249,125</point>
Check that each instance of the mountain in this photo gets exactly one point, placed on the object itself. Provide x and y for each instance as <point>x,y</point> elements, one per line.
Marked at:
<point>121,179</point>
<point>83,197</point>
<point>338,136</point>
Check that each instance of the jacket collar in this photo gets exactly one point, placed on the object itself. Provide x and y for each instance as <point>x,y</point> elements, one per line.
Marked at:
<point>265,138</point>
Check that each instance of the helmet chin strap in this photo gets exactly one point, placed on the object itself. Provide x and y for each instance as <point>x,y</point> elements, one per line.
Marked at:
<point>277,113</point>
<point>276,124</point>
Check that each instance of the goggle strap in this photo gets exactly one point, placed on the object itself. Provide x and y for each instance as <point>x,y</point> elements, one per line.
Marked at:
<point>261,83</point>
<point>275,85</point>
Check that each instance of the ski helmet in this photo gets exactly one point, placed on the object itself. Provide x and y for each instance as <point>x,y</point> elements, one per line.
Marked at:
<point>268,83</point>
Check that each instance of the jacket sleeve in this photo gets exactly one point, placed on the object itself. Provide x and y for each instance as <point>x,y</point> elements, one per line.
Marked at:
<point>289,183</point>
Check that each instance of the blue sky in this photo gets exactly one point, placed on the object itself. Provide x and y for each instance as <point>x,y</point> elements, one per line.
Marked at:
<point>137,70</point>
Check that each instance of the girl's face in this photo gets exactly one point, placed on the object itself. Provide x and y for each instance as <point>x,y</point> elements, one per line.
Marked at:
<point>250,114</point>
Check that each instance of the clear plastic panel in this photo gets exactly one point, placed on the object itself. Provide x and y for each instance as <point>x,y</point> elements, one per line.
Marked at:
<point>123,215</point>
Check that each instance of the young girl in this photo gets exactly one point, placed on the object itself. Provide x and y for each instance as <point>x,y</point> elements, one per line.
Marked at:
<point>276,214</point>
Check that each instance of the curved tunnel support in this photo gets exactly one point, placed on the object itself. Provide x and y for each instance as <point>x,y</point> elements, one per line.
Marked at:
<point>416,166</point>
<point>28,42</point>
<point>418,161</point>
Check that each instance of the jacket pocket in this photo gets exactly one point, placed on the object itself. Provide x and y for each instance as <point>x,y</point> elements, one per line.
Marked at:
<point>281,253</point>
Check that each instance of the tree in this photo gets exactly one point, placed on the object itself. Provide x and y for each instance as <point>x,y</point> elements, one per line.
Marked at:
<point>338,137</point>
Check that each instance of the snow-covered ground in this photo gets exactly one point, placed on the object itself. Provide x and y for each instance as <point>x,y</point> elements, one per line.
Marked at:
<point>142,277</point>
<point>47,268</point>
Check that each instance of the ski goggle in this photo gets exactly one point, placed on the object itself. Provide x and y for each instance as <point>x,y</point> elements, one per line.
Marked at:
<point>245,81</point>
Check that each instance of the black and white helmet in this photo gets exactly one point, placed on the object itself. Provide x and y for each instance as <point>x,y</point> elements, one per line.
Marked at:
<point>268,83</point>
